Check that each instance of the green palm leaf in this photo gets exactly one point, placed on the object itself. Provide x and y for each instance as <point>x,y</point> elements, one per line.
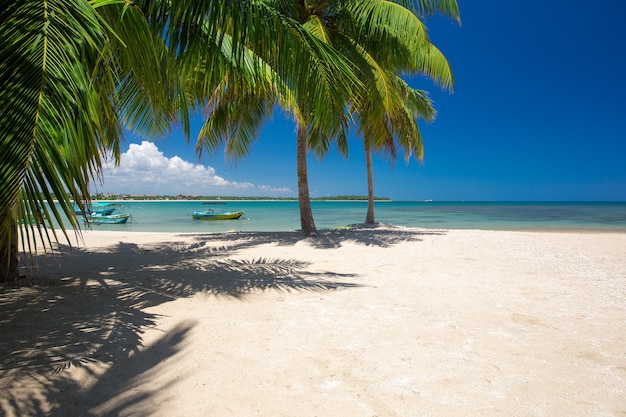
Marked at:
<point>64,79</point>
<point>45,99</point>
<point>423,8</point>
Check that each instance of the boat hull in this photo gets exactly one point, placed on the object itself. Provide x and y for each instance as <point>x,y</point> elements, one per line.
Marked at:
<point>210,215</point>
<point>108,219</point>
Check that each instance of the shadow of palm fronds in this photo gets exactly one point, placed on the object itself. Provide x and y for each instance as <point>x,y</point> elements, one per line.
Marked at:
<point>89,307</point>
<point>111,396</point>
<point>381,235</point>
<point>47,330</point>
<point>378,235</point>
<point>238,277</point>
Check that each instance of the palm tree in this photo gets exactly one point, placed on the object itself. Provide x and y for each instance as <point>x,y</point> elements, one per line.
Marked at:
<point>318,98</point>
<point>68,73</point>
<point>402,127</point>
<point>383,38</point>
<point>389,112</point>
<point>315,97</point>
<point>350,27</point>
<point>73,77</point>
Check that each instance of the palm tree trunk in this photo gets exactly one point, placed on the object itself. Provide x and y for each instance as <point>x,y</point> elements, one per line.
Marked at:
<point>9,271</point>
<point>306,214</point>
<point>369,217</point>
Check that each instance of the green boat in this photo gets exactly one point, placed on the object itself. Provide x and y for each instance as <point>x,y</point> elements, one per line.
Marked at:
<point>96,218</point>
<point>216,215</point>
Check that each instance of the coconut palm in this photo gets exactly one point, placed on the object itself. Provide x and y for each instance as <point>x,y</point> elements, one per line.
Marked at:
<point>313,88</point>
<point>351,27</point>
<point>237,110</point>
<point>399,126</point>
<point>384,38</point>
<point>243,40</point>
<point>389,112</point>
<point>318,98</point>
<point>72,76</point>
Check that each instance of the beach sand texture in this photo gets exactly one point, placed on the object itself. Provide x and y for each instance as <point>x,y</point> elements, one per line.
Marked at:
<point>356,322</point>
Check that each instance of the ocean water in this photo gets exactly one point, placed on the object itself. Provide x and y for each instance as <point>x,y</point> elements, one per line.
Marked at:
<point>175,216</point>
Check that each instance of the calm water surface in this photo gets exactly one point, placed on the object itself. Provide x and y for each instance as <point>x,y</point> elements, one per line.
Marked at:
<point>175,216</point>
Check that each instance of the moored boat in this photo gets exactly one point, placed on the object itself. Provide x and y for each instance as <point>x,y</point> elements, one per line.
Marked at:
<point>216,215</point>
<point>97,218</point>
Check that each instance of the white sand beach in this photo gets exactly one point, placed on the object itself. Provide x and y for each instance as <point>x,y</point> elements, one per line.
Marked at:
<point>355,322</point>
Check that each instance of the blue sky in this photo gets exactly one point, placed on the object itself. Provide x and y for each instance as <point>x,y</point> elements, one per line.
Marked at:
<point>538,113</point>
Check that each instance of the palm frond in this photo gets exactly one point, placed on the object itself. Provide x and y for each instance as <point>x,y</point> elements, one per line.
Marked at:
<point>407,47</point>
<point>234,116</point>
<point>65,77</point>
<point>316,27</point>
<point>45,95</point>
<point>424,8</point>
<point>431,62</point>
<point>378,20</point>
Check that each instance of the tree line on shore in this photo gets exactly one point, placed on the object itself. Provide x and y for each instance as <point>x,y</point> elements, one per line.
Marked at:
<point>101,197</point>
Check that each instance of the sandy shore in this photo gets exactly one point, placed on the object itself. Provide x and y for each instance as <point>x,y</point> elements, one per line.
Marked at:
<point>371,322</point>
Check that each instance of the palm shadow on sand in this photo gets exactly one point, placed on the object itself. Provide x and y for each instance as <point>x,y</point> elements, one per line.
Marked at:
<point>71,318</point>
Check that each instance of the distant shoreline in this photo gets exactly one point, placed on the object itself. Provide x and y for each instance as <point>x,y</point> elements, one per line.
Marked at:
<point>282,200</point>
<point>151,197</point>
<point>377,200</point>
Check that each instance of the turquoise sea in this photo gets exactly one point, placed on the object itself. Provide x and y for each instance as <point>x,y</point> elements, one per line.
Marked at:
<point>175,216</point>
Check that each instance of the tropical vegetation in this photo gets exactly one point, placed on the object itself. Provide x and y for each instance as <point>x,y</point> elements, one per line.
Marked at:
<point>73,75</point>
<point>76,74</point>
<point>384,41</point>
<point>380,39</point>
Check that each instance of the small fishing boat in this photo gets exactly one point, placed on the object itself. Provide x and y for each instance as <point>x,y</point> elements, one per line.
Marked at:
<point>96,218</point>
<point>216,215</point>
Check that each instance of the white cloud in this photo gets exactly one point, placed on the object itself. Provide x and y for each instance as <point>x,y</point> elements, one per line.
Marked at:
<point>144,169</point>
